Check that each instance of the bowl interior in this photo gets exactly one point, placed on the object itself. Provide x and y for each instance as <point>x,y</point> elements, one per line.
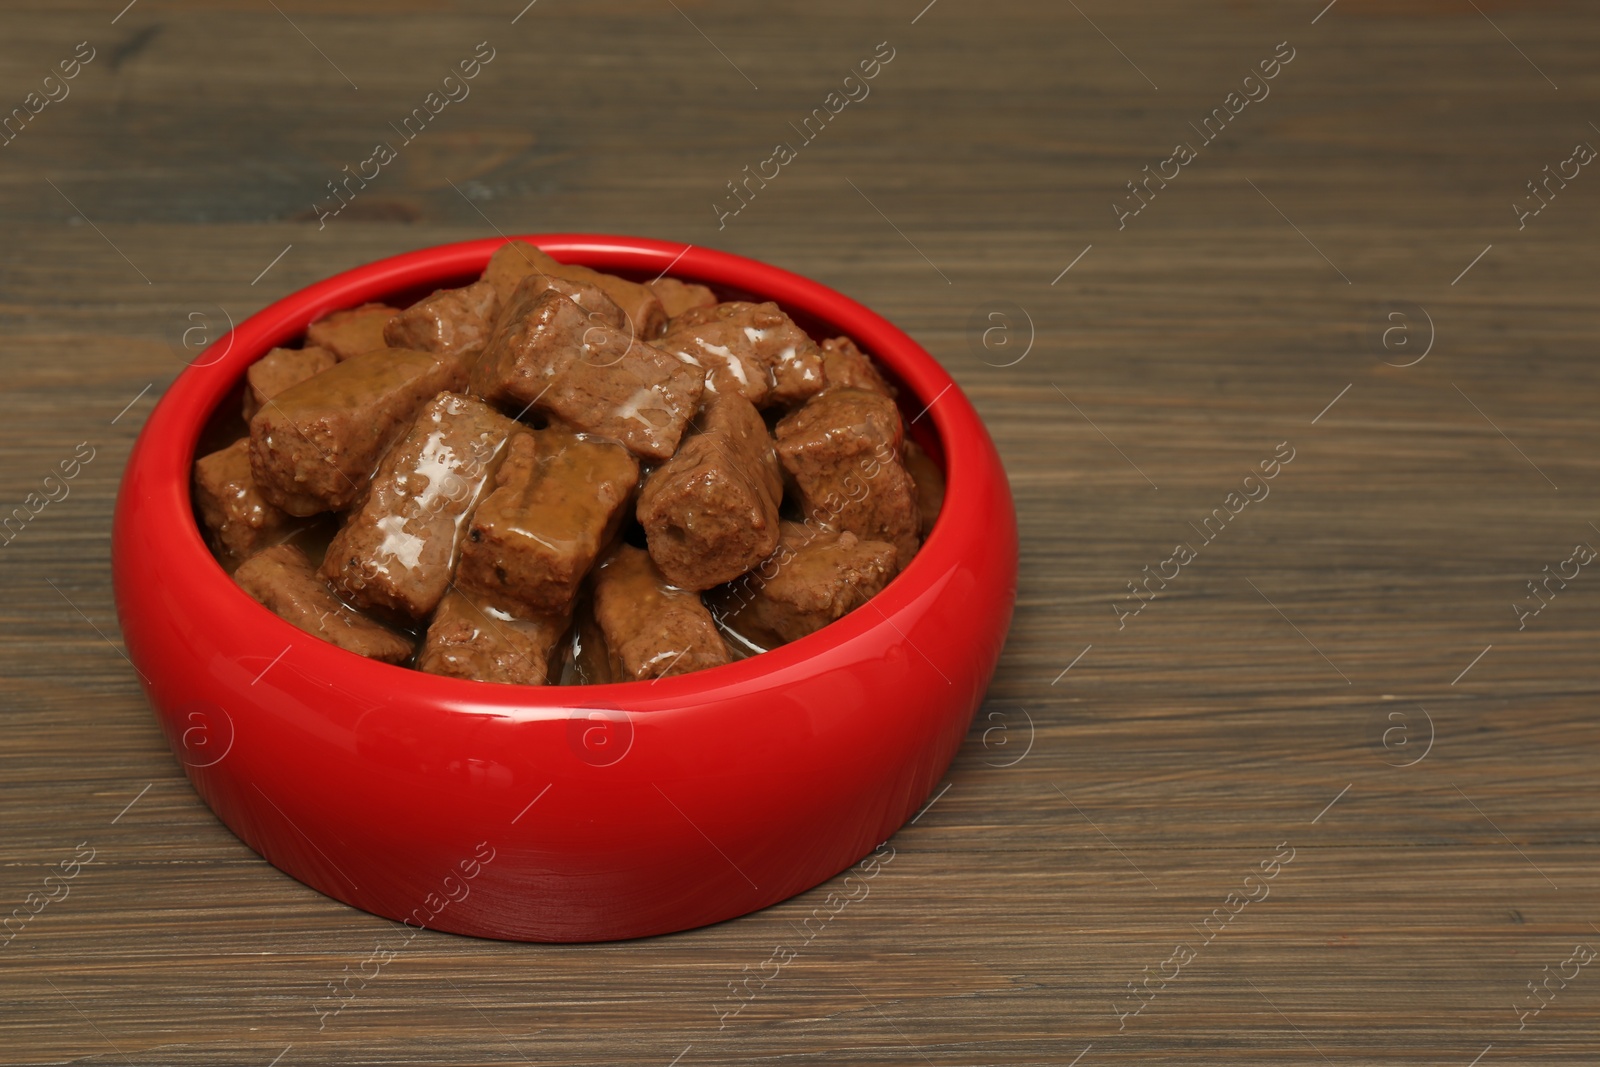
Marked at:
<point>226,423</point>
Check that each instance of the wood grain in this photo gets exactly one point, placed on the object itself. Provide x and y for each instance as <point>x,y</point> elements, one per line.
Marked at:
<point>1094,818</point>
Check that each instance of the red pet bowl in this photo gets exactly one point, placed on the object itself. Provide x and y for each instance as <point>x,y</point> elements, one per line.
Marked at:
<point>578,813</point>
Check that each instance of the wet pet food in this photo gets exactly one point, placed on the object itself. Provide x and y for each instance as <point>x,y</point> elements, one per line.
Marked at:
<point>559,476</point>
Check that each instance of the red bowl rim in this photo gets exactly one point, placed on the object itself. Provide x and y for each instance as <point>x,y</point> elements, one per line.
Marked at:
<point>171,434</point>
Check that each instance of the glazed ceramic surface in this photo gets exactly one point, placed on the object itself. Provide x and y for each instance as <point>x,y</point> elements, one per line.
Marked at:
<point>578,813</point>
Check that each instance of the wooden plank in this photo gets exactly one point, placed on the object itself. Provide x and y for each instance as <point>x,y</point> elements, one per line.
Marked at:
<point>1244,707</point>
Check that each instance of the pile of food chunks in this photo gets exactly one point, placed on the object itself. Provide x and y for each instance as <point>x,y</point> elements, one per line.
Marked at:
<point>555,475</point>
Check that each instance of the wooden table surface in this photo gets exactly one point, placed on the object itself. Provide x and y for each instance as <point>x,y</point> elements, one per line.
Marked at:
<point>1330,725</point>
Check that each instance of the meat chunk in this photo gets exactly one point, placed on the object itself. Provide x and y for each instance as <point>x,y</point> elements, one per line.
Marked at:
<point>537,535</point>
<point>652,628</point>
<point>282,579</point>
<point>315,447</point>
<point>470,638</point>
<point>398,548</point>
<point>452,322</point>
<point>231,507</point>
<point>843,449</point>
<point>514,261</point>
<point>601,309</point>
<point>710,513</point>
<point>591,376</point>
<point>754,350</point>
<point>637,301</point>
<point>351,332</point>
<point>278,370</point>
<point>679,296</point>
<point>816,576</point>
<point>844,366</point>
<point>929,480</point>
